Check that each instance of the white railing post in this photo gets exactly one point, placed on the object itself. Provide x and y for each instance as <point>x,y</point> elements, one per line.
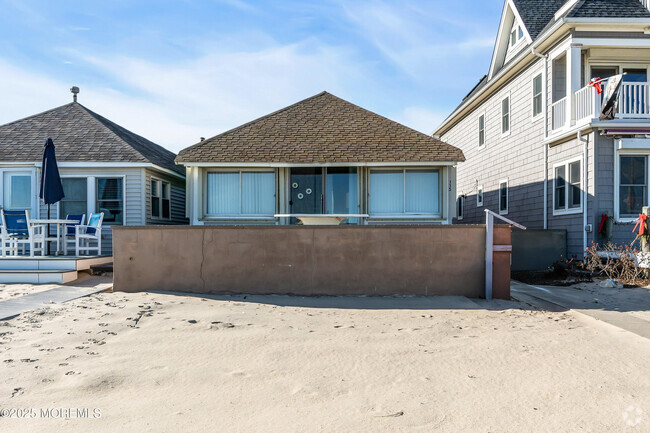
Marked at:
<point>489,253</point>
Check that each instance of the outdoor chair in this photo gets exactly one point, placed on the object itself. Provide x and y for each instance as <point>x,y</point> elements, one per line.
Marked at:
<point>16,230</point>
<point>85,234</point>
<point>70,230</point>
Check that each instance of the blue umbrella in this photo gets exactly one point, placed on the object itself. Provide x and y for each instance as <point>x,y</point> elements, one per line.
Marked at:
<point>51,186</point>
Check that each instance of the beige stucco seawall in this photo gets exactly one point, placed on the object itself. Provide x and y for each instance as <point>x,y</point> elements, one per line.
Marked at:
<point>300,260</point>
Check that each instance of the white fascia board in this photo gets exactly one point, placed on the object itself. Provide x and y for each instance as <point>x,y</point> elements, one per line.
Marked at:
<point>81,164</point>
<point>491,83</point>
<point>612,42</point>
<point>614,21</point>
<point>497,43</point>
<point>324,164</point>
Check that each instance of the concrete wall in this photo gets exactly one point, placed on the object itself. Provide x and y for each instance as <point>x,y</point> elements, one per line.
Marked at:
<point>350,260</point>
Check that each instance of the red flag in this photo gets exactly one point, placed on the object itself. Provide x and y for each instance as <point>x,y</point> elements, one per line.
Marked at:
<point>595,83</point>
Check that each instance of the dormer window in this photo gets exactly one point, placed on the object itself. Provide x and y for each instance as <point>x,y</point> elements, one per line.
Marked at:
<point>513,38</point>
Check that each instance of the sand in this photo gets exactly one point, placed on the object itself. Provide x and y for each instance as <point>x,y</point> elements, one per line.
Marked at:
<point>174,363</point>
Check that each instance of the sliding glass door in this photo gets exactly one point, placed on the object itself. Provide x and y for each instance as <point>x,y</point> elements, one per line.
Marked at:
<point>319,190</point>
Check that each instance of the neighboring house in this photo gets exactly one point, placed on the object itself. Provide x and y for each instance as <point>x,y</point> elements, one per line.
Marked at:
<point>535,148</point>
<point>322,155</point>
<point>104,168</point>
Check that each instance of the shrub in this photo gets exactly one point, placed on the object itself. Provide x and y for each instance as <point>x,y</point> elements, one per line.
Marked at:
<point>615,262</point>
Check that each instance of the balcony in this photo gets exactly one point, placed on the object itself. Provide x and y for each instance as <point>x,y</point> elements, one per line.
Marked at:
<point>634,103</point>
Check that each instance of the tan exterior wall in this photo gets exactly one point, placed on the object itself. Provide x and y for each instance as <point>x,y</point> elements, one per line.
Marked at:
<point>307,261</point>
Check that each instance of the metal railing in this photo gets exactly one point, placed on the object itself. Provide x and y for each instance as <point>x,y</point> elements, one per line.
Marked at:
<point>558,114</point>
<point>489,247</point>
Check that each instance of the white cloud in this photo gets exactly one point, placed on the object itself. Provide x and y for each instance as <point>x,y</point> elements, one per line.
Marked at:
<point>420,118</point>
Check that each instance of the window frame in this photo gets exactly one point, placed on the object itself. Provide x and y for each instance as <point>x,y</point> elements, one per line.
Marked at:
<point>460,207</point>
<point>208,216</point>
<point>160,197</point>
<point>480,194</point>
<point>537,116</point>
<point>96,199</point>
<point>507,209</point>
<point>617,183</point>
<point>503,98</point>
<point>409,215</point>
<point>478,121</point>
<point>567,210</point>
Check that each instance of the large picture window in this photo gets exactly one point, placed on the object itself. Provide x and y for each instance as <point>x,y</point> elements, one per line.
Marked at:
<point>241,193</point>
<point>75,201</point>
<point>405,191</point>
<point>633,185</point>
<point>567,189</point>
<point>110,199</point>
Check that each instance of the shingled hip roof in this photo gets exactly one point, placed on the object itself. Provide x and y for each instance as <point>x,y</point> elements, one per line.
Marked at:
<point>80,135</point>
<point>321,129</point>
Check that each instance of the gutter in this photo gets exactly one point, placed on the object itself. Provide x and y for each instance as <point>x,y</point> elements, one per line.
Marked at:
<point>585,195</point>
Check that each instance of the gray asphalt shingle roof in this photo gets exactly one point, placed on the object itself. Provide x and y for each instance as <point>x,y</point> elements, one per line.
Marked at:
<point>321,129</point>
<point>609,9</point>
<point>80,135</point>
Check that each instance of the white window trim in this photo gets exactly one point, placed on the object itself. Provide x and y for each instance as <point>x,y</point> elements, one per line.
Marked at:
<point>160,204</point>
<point>507,182</point>
<point>480,192</point>
<point>460,208</point>
<point>95,199</point>
<point>617,182</point>
<point>481,146</point>
<point>539,116</point>
<point>406,215</point>
<point>207,216</point>
<point>503,98</point>
<point>567,210</point>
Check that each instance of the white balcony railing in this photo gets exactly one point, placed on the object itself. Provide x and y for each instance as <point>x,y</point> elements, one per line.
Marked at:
<point>633,103</point>
<point>558,114</point>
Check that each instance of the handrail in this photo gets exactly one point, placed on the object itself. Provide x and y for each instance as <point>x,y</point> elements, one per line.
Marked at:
<point>501,217</point>
<point>489,247</point>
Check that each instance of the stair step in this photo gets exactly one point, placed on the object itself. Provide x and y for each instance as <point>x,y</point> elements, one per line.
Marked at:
<point>32,276</point>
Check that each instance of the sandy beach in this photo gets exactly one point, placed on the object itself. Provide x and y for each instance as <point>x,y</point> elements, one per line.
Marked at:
<point>169,363</point>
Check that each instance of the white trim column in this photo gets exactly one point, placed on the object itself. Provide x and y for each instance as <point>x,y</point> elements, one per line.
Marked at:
<point>574,74</point>
<point>90,195</point>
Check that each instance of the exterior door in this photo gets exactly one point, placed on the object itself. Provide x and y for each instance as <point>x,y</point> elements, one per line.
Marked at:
<point>306,191</point>
<point>17,190</point>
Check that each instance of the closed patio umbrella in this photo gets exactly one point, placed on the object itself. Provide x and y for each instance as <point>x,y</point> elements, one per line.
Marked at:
<point>51,187</point>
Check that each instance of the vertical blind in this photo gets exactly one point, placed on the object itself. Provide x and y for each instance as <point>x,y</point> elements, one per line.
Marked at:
<point>241,193</point>
<point>404,191</point>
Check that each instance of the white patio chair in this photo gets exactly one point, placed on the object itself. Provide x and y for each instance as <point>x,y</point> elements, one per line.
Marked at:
<point>17,230</point>
<point>84,234</point>
<point>69,232</point>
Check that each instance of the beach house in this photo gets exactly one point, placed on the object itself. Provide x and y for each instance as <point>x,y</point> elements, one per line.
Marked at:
<point>531,129</point>
<point>322,160</point>
<point>104,168</point>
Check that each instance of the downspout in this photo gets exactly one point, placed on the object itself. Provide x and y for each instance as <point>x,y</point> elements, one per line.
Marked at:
<point>585,195</point>
<point>545,108</point>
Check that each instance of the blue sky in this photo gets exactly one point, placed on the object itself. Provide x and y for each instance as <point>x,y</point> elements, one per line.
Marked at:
<point>174,71</point>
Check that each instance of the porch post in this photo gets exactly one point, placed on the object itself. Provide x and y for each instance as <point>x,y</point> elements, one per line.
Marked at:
<point>489,253</point>
<point>574,75</point>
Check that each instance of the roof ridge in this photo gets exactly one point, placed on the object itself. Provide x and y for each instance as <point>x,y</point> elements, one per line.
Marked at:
<point>266,116</point>
<point>38,114</point>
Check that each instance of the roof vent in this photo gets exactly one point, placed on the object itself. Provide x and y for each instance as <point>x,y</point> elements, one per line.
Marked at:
<point>202,138</point>
<point>74,90</point>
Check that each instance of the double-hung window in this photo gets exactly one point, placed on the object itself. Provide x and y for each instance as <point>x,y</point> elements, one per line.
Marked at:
<point>481,131</point>
<point>567,190</point>
<point>505,115</point>
<point>461,207</point>
<point>110,199</point>
<point>503,197</point>
<point>405,192</point>
<point>75,201</point>
<point>633,185</point>
<point>537,96</point>
<point>240,193</point>
<point>160,199</point>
